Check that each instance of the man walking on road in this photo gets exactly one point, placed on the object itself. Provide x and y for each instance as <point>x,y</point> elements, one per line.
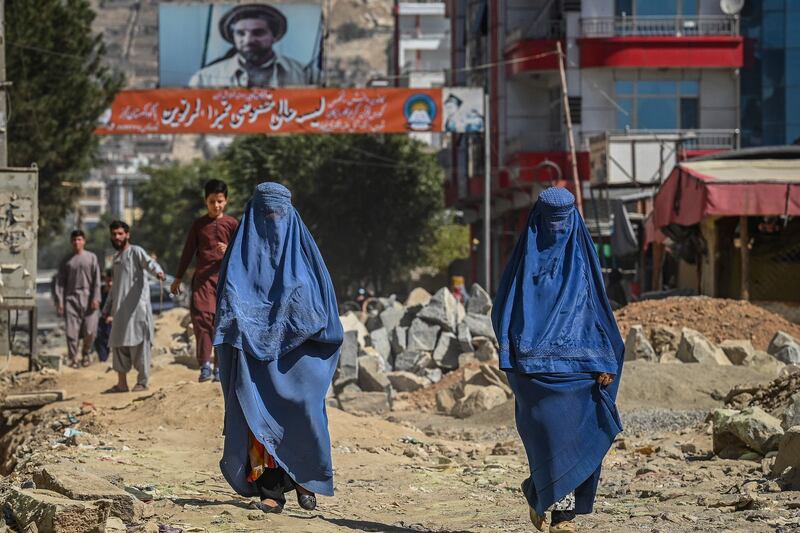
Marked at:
<point>128,309</point>
<point>77,291</point>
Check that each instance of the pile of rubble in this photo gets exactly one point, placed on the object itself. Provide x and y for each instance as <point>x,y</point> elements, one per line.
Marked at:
<point>666,344</point>
<point>401,348</point>
<point>762,423</point>
<point>717,319</point>
<point>62,498</point>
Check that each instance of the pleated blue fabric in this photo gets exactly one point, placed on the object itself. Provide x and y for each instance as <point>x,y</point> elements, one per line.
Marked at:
<point>278,337</point>
<point>556,330</point>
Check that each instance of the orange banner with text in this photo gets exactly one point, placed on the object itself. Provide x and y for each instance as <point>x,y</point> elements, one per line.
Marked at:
<point>301,110</point>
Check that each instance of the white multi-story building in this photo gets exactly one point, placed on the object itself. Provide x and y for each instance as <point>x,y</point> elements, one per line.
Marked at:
<point>648,83</point>
<point>421,50</point>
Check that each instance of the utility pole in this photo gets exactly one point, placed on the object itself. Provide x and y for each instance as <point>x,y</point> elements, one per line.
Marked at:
<point>5,315</point>
<point>3,88</point>
<point>487,195</point>
<point>570,135</point>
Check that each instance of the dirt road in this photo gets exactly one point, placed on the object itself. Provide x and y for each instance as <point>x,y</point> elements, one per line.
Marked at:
<point>413,471</point>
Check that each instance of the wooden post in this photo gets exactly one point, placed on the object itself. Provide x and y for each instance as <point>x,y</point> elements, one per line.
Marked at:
<point>744,248</point>
<point>570,136</point>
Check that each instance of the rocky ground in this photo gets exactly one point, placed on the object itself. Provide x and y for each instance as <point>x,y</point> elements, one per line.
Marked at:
<point>406,468</point>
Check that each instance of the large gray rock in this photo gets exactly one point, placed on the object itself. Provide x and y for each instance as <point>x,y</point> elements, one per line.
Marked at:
<point>422,336</point>
<point>487,375</point>
<point>53,513</point>
<point>791,415</point>
<point>664,339</point>
<point>788,451</point>
<point>418,296</point>
<point>434,375</point>
<point>348,359</point>
<point>464,337</point>
<point>79,485</point>
<point>695,348</point>
<point>752,428</point>
<point>785,348</point>
<point>478,399</point>
<point>399,339</point>
<point>391,316</point>
<point>443,310</point>
<point>484,349</point>
<point>737,351</point>
<point>407,360</point>
<point>379,339</point>
<point>637,346</point>
<point>372,374</point>
<point>350,322</point>
<point>406,381</point>
<point>479,302</point>
<point>447,351</point>
<point>480,325</point>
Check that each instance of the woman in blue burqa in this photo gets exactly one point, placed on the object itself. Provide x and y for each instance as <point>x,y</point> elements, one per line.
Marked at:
<point>278,337</point>
<point>562,352</point>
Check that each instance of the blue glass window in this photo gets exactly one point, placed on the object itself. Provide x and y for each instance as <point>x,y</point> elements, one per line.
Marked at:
<point>624,88</point>
<point>658,104</point>
<point>656,114</point>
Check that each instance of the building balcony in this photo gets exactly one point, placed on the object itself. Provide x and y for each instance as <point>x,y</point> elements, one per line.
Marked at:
<point>427,8</point>
<point>678,26</point>
<point>533,49</point>
<point>661,42</point>
<point>540,158</point>
<point>646,157</point>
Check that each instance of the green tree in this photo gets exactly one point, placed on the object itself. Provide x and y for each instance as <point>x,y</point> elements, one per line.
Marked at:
<point>60,87</point>
<point>369,200</point>
<point>450,242</point>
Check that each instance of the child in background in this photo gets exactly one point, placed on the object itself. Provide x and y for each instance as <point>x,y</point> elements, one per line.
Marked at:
<point>208,239</point>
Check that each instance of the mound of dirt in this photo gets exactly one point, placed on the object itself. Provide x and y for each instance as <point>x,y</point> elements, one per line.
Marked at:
<point>716,318</point>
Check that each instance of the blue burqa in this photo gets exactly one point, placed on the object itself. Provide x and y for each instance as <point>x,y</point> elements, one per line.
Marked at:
<point>556,330</point>
<point>278,336</point>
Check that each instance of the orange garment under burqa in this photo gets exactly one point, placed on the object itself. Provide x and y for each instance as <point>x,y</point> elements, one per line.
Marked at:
<point>260,459</point>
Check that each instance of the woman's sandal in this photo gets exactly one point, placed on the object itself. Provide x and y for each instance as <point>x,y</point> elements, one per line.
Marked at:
<point>85,361</point>
<point>115,389</point>
<point>307,501</point>
<point>263,507</point>
<point>538,521</point>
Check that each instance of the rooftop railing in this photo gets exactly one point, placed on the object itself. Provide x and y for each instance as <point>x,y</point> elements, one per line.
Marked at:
<point>678,26</point>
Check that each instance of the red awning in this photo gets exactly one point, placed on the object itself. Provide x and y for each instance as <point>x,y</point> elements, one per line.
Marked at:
<point>698,189</point>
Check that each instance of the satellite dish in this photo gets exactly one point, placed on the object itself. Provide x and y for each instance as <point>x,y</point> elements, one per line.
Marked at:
<point>731,7</point>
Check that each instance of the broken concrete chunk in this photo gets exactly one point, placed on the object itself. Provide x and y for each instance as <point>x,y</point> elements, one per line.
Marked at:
<point>737,351</point>
<point>32,400</point>
<point>478,399</point>
<point>418,296</point>
<point>79,485</point>
<point>447,351</point>
<point>52,512</point>
<point>406,381</point>
<point>785,348</point>
<point>479,301</point>
<point>637,346</point>
<point>480,325</point>
<point>371,373</point>
<point>695,348</point>
<point>379,339</point>
<point>422,336</point>
<point>443,310</point>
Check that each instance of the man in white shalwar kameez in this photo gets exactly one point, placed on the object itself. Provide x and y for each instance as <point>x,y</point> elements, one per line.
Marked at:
<point>128,309</point>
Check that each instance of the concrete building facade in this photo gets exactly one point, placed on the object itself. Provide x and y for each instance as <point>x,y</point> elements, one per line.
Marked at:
<point>638,73</point>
